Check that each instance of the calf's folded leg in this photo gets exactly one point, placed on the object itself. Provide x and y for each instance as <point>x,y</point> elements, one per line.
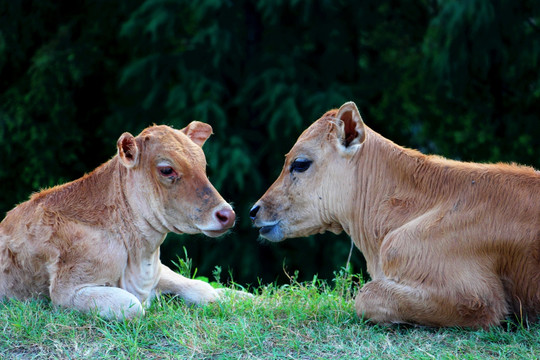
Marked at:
<point>109,302</point>
<point>384,301</point>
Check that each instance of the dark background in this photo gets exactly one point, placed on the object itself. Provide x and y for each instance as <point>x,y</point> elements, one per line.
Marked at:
<point>456,78</point>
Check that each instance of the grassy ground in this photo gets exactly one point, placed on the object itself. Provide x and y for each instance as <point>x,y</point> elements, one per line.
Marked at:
<point>312,320</point>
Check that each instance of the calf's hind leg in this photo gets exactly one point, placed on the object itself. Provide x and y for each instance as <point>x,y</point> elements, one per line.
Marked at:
<point>384,301</point>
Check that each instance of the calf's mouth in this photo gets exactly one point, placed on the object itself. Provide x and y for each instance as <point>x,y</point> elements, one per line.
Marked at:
<point>271,232</point>
<point>214,233</point>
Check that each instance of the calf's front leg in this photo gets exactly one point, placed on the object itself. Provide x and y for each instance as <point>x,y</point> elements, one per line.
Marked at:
<point>192,291</point>
<point>384,301</point>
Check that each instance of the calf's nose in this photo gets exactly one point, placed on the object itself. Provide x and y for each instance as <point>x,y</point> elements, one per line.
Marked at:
<point>226,217</point>
<point>253,212</point>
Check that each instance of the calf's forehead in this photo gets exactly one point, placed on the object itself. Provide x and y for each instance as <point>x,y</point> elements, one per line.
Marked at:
<point>314,138</point>
<point>164,141</point>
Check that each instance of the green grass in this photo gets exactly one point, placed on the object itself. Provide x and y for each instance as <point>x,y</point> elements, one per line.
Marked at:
<point>314,320</point>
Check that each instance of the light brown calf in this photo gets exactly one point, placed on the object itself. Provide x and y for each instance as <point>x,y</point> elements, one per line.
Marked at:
<point>94,243</point>
<point>447,243</point>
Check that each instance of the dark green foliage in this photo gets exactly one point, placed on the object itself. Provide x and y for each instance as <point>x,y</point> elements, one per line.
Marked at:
<point>457,78</point>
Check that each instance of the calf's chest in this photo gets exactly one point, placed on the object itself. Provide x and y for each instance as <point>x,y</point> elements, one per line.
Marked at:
<point>140,276</point>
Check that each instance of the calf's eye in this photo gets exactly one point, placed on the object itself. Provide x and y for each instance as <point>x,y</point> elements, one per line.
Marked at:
<point>300,165</point>
<point>167,171</point>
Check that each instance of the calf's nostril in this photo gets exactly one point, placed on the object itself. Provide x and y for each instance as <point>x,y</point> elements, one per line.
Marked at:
<point>226,217</point>
<point>253,212</point>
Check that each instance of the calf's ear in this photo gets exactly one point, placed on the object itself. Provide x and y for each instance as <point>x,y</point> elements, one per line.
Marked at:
<point>128,151</point>
<point>198,132</point>
<point>351,130</point>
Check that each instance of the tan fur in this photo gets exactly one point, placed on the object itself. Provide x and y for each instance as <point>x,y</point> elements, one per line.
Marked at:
<point>447,243</point>
<point>94,243</point>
